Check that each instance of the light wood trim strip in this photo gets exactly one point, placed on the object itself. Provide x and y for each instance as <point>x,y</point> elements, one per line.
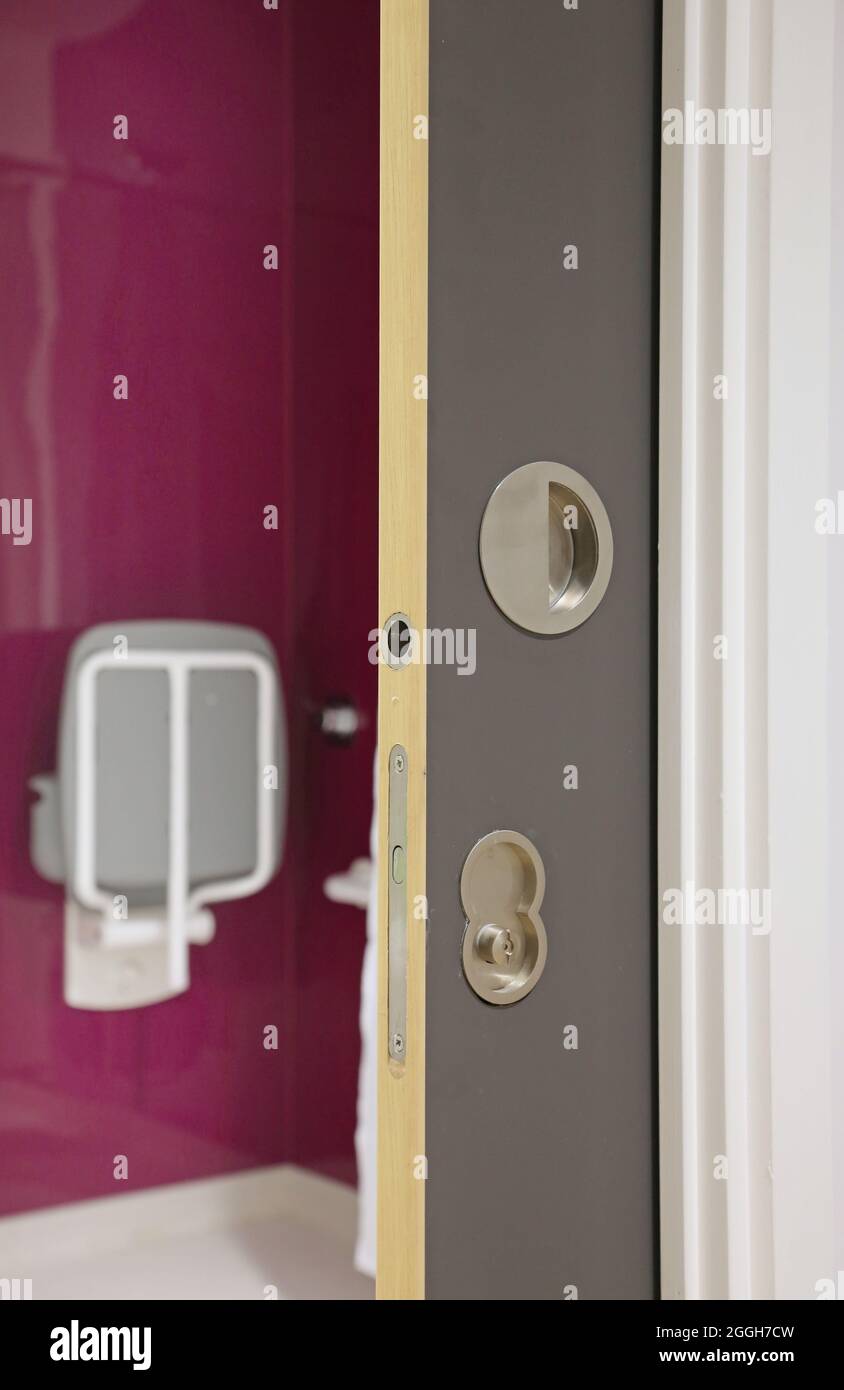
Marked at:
<point>403,588</point>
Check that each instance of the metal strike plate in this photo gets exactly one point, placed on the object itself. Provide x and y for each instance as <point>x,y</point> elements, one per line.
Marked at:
<point>546,548</point>
<point>397,904</point>
<point>504,945</point>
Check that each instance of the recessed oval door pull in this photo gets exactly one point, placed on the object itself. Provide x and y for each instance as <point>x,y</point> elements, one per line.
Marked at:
<point>546,548</point>
<point>504,945</point>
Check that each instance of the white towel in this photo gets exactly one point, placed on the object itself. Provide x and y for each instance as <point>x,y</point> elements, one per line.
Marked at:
<point>366,1133</point>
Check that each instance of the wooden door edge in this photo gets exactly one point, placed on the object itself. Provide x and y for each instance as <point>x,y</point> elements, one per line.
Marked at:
<point>402,1167</point>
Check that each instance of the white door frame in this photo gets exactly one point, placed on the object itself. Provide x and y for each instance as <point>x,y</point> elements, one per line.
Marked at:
<point>746,1122</point>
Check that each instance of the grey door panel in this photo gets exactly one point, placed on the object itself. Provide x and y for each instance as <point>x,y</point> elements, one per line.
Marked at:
<point>541,1156</point>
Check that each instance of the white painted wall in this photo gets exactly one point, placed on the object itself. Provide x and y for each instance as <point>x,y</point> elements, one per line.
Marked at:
<point>836,631</point>
<point>800,619</point>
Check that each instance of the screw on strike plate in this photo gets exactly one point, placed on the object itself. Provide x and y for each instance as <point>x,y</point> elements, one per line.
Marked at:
<point>398,1042</point>
<point>399,764</point>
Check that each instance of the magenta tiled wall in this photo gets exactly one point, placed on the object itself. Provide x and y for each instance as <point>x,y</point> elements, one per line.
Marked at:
<point>247,387</point>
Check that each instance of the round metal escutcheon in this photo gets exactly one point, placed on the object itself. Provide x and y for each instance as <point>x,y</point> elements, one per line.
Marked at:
<point>396,642</point>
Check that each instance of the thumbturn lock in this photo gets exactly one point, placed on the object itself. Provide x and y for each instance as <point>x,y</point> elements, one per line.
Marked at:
<point>546,548</point>
<point>504,944</point>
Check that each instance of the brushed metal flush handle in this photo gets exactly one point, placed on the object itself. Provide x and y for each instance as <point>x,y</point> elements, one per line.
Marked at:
<point>504,945</point>
<point>546,548</point>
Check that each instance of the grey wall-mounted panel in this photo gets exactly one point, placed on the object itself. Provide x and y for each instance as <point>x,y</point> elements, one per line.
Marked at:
<point>133,731</point>
<point>542,1157</point>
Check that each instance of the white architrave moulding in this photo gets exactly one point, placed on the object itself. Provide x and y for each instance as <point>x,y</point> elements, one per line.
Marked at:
<point>745,1086</point>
